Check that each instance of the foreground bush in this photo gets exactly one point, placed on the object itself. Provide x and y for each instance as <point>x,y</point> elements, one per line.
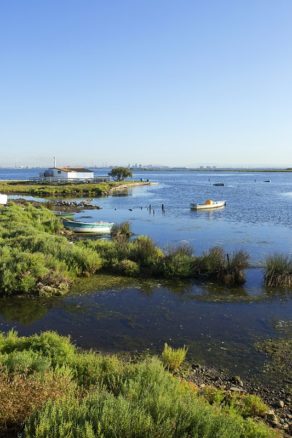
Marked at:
<point>151,403</point>
<point>48,389</point>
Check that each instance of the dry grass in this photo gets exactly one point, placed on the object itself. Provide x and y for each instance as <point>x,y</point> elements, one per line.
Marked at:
<point>20,395</point>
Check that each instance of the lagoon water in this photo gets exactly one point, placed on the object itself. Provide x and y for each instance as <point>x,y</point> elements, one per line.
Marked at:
<point>219,326</point>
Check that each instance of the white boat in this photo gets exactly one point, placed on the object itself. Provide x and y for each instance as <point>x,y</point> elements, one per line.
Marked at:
<point>88,227</point>
<point>3,199</point>
<point>208,205</point>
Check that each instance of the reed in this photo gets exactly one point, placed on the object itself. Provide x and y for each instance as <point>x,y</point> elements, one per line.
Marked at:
<point>278,271</point>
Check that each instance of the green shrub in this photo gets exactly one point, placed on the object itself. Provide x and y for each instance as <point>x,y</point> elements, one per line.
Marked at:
<point>99,370</point>
<point>58,349</point>
<point>129,268</point>
<point>144,252</point>
<point>151,403</point>
<point>249,405</point>
<point>246,405</point>
<point>179,263</point>
<point>34,259</point>
<point>24,362</point>
<point>213,395</point>
<point>173,357</point>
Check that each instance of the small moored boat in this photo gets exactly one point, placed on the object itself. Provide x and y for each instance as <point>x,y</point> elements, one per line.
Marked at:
<point>219,184</point>
<point>88,227</point>
<point>208,205</point>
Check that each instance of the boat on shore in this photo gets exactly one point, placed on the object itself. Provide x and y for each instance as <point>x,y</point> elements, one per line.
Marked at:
<point>209,204</point>
<point>88,227</point>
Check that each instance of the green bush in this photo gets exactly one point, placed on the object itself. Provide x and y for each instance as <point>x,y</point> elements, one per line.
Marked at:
<point>24,362</point>
<point>249,405</point>
<point>151,403</point>
<point>58,349</point>
<point>34,259</point>
<point>173,357</point>
<point>129,268</point>
<point>144,252</point>
<point>179,263</point>
<point>97,370</point>
<point>246,405</point>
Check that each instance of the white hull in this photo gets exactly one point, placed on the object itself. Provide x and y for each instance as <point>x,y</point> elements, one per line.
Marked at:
<point>104,230</point>
<point>211,206</point>
<point>85,227</point>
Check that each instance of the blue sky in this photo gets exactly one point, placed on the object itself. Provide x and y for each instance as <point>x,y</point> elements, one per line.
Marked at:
<point>182,82</point>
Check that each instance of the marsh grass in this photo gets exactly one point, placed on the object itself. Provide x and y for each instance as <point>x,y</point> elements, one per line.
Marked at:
<point>225,268</point>
<point>121,232</point>
<point>173,358</point>
<point>278,271</point>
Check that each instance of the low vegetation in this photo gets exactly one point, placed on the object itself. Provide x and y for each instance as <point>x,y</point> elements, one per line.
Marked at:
<point>247,405</point>
<point>49,389</point>
<point>58,189</point>
<point>36,255</point>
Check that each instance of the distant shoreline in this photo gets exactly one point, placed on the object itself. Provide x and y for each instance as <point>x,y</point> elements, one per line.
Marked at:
<point>179,169</point>
<point>186,169</point>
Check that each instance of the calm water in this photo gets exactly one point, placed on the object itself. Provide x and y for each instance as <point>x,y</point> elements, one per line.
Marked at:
<point>219,326</point>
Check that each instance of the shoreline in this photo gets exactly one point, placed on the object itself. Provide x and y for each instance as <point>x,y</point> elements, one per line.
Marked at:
<point>67,189</point>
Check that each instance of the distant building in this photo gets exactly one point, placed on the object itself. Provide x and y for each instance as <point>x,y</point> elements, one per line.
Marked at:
<point>68,174</point>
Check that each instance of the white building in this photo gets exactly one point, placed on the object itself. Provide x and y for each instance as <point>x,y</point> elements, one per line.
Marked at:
<point>68,174</point>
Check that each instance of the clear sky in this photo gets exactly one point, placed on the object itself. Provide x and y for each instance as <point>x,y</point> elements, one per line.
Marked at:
<point>176,82</point>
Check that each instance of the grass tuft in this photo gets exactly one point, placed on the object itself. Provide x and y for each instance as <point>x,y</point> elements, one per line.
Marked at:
<point>173,357</point>
<point>278,271</point>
